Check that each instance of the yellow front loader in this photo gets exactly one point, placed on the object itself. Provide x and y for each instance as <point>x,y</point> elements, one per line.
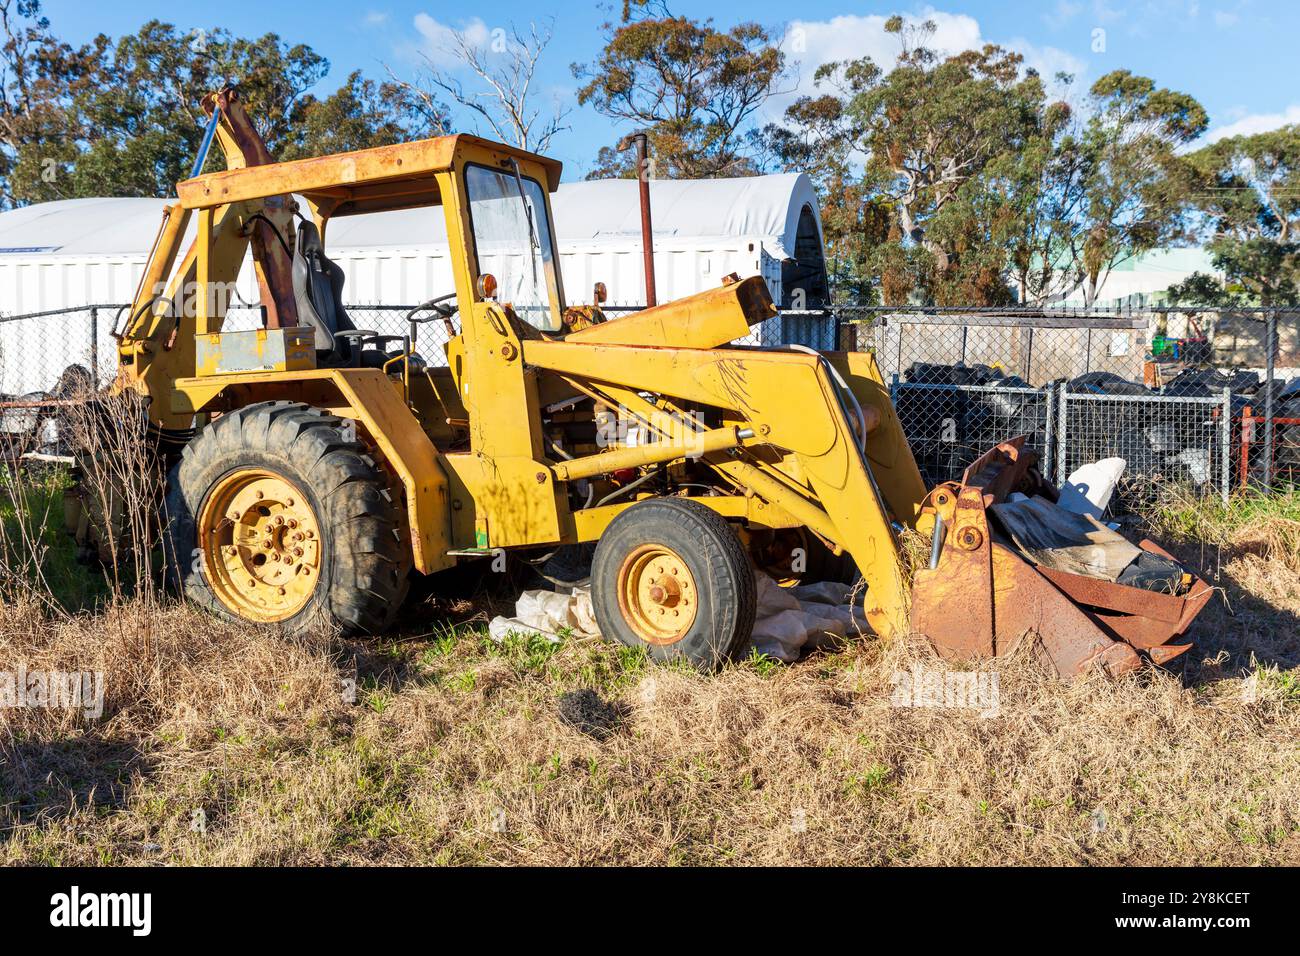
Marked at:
<point>322,465</point>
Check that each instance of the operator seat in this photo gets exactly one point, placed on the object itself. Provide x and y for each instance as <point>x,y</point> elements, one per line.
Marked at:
<point>318,288</point>
<point>318,292</point>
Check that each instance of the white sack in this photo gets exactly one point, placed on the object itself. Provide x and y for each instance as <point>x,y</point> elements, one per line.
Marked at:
<point>788,619</point>
<point>546,613</point>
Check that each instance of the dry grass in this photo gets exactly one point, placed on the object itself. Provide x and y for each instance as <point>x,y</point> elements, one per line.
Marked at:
<point>454,751</point>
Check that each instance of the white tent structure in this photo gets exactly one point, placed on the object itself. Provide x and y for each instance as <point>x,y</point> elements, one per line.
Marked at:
<point>67,254</point>
<point>1143,277</point>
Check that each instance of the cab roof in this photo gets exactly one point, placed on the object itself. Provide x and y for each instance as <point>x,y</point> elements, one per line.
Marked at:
<point>380,179</point>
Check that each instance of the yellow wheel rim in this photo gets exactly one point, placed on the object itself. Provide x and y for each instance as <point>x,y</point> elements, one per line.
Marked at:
<point>657,594</point>
<point>261,546</point>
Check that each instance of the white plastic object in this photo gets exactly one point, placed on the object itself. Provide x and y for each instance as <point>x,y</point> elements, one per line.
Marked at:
<point>1088,489</point>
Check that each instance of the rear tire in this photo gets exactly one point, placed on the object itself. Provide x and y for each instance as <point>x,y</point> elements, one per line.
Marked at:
<point>277,515</point>
<point>671,576</point>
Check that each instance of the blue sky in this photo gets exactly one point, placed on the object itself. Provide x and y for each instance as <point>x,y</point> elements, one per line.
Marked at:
<point>1235,56</point>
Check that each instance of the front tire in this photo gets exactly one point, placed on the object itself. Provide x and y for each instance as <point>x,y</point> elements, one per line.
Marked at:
<point>671,576</point>
<point>277,515</point>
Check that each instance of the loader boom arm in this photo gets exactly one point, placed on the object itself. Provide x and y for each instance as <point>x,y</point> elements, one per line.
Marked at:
<point>155,347</point>
<point>792,403</point>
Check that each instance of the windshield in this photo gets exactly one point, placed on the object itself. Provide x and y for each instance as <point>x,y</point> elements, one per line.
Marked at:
<point>512,237</point>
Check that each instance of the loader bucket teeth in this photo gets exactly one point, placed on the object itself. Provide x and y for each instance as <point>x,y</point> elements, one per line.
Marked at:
<point>984,596</point>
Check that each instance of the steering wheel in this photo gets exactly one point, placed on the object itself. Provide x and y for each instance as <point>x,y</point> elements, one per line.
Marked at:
<point>440,310</point>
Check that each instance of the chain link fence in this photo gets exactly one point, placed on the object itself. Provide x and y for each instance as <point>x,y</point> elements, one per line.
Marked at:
<point>1210,398</point>
<point>38,350</point>
<point>41,349</point>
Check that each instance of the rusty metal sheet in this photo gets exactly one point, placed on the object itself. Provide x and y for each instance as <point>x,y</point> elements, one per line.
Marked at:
<point>1163,655</point>
<point>1117,597</point>
<point>1142,632</point>
<point>1025,602</point>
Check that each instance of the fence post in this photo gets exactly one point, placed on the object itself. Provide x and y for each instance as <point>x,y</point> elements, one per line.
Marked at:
<point>1061,428</point>
<point>898,334</point>
<point>1049,436</point>
<point>94,346</point>
<point>1270,347</point>
<point>1225,426</point>
<point>1247,436</point>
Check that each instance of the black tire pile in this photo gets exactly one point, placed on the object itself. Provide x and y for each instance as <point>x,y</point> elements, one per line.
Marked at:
<point>949,426</point>
<point>1286,437</point>
<point>1180,442</point>
<point>1160,441</point>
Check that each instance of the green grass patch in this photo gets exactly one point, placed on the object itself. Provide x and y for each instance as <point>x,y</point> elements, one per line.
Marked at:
<point>34,543</point>
<point>1272,519</point>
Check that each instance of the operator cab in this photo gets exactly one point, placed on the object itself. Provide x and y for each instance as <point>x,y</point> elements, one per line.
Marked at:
<point>512,243</point>
<point>499,229</point>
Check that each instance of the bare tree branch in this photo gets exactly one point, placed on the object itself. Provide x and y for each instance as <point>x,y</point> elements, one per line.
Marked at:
<point>501,97</point>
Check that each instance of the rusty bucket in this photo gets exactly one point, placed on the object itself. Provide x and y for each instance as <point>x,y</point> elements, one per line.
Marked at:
<point>985,593</point>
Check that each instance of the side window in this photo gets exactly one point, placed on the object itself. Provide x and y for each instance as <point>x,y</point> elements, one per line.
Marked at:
<point>513,240</point>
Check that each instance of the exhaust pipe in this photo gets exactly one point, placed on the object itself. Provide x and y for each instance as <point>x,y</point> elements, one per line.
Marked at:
<point>647,235</point>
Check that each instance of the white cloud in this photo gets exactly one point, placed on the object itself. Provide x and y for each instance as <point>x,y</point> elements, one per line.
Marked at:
<point>1048,60</point>
<point>1105,13</point>
<point>440,37</point>
<point>375,18</point>
<point>810,43</point>
<point>1255,123</point>
<point>1224,19</point>
<point>850,37</point>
